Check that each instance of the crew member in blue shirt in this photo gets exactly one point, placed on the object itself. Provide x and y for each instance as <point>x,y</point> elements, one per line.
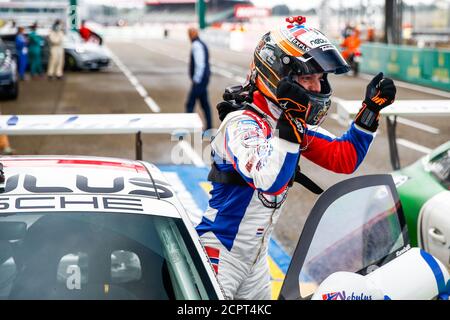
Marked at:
<point>22,52</point>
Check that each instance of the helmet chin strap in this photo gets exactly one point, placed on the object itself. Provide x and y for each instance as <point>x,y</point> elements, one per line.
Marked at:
<point>308,138</point>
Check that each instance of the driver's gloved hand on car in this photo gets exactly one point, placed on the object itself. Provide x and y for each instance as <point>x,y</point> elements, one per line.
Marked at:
<point>380,93</point>
<point>293,100</point>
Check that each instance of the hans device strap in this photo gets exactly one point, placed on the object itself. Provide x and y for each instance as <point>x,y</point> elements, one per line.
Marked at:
<point>307,182</point>
<point>233,177</point>
<point>230,177</point>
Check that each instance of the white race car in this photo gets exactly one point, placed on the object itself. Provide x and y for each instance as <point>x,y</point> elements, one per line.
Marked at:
<point>96,228</point>
<point>104,228</point>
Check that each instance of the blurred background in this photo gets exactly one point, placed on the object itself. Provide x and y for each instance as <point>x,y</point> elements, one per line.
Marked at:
<point>238,24</point>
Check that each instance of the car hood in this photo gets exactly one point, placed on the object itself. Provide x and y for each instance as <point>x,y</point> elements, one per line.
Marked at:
<point>86,47</point>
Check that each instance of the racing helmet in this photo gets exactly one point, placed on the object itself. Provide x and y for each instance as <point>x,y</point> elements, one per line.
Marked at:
<point>296,49</point>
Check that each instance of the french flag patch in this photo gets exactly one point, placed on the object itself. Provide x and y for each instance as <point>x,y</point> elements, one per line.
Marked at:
<point>213,255</point>
<point>298,31</point>
<point>330,296</point>
<point>259,232</point>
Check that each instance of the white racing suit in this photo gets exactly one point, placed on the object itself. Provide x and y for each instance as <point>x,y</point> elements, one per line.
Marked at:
<point>237,225</point>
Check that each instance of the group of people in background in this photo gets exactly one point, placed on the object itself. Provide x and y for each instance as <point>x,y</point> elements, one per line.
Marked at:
<point>29,51</point>
<point>29,55</point>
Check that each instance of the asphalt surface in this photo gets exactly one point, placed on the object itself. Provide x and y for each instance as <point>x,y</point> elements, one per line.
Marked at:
<point>161,68</point>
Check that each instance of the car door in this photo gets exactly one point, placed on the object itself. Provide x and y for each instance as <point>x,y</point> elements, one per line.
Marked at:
<point>357,225</point>
<point>434,218</point>
<point>434,226</point>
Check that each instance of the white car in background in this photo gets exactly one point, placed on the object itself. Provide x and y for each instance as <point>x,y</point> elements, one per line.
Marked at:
<point>105,228</point>
<point>79,55</point>
<point>84,55</point>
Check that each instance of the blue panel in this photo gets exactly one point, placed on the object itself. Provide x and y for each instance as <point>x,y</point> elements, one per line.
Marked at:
<point>437,272</point>
<point>191,176</point>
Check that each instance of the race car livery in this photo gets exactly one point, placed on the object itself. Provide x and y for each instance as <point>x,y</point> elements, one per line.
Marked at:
<point>240,219</point>
<point>96,228</point>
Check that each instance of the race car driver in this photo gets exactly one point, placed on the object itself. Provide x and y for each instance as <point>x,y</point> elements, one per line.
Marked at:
<point>257,149</point>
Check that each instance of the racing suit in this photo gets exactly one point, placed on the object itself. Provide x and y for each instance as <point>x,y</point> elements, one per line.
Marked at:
<point>236,227</point>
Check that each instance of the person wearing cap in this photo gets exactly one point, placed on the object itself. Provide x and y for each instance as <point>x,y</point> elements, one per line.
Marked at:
<point>262,138</point>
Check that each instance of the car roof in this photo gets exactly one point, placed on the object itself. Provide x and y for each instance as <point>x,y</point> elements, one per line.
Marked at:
<point>80,178</point>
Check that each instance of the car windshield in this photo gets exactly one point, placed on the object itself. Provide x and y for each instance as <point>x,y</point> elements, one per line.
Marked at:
<point>74,37</point>
<point>440,167</point>
<point>73,255</point>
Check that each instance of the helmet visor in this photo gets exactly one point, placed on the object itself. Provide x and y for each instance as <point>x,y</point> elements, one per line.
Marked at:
<point>324,59</point>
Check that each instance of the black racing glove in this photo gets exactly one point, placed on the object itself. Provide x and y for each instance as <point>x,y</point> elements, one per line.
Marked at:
<point>294,100</point>
<point>380,93</point>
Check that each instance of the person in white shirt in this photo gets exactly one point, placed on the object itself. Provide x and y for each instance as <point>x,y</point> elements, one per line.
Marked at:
<point>56,61</point>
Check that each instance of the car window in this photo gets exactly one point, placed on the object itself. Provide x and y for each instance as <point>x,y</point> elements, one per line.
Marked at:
<point>2,47</point>
<point>69,255</point>
<point>356,231</point>
<point>356,225</point>
<point>74,37</point>
<point>2,51</point>
<point>440,168</point>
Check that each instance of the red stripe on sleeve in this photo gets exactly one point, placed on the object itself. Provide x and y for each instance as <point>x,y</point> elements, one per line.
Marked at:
<point>337,156</point>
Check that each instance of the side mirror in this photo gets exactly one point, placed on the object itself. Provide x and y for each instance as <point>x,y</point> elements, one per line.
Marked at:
<point>12,230</point>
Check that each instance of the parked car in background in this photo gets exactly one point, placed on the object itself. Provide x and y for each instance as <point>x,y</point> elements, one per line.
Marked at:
<point>79,55</point>
<point>84,55</point>
<point>424,190</point>
<point>9,87</point>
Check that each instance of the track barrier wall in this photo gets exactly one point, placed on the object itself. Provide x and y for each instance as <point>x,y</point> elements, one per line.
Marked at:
<point>422,66</point>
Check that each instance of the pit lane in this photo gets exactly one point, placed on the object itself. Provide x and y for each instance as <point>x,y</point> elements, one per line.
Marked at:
<point>160,68</point>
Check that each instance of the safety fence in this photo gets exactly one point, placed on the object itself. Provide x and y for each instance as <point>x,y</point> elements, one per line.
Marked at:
<point>187,127</point>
